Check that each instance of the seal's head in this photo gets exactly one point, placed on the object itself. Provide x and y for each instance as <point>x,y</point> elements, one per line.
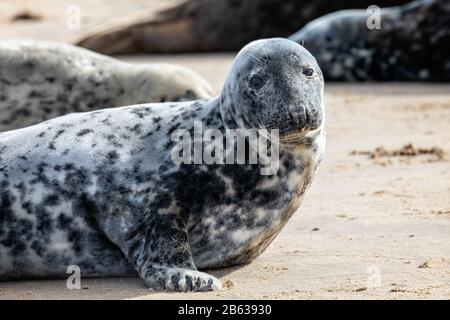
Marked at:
<point>345,33</point>
<point>334,30</point>
<point>274,84</point>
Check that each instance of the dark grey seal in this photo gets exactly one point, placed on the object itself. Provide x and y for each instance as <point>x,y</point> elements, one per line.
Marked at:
<point>212,25</point>
<point>413,43</point>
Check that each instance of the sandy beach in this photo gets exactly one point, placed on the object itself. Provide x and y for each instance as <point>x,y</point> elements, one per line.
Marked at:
<point>374,225</point>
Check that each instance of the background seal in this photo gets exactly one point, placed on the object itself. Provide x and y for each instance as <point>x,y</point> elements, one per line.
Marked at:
<point>212,25</point>
<point>412,43</point>
<point>43,80</point>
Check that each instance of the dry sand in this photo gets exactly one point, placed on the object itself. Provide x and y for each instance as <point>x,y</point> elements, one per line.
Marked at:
<point>375,225</point>
<point>52,18</point>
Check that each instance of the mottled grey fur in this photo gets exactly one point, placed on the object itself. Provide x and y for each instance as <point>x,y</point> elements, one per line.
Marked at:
<point>412,43</point>
<point>99,189</point>
<point>43,80</point>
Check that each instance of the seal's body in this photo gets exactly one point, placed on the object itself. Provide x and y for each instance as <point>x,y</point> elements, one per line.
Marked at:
<point>205,25</point>
<point>404,43</point>
<point>43,80</point>
<point>101,190</point>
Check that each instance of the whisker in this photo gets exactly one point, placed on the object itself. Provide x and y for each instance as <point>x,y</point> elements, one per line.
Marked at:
<point>265,54</point>
<point>255,58</point>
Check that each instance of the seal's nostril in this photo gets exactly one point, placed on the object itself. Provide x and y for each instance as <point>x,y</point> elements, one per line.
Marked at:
<point>296,113</point>
<point>299,115</point>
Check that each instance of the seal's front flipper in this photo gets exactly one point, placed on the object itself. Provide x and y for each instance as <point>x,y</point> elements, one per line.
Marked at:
<point>162,257</point>
<point>179,279</point>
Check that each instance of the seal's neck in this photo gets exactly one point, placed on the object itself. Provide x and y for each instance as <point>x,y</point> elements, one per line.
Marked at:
<point>227,118</point>
<point>232,115</point>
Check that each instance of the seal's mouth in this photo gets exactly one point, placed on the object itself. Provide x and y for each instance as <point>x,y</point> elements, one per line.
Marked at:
<point>293,136</point>
<point>299,137</point>
<point>300,124</point>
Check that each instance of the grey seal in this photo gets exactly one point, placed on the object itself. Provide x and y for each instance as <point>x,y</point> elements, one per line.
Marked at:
<point>43,80</point>
<point>212,25</point>
<point>100,190</point>
<point>410,45</point>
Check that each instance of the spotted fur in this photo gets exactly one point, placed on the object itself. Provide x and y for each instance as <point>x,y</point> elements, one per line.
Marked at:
<point>100,189</point>
<point>411,44</point>
<point>43,80</point>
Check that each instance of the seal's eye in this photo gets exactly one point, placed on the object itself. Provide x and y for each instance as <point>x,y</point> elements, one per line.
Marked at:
<point>257,82</point>
<point>307,71</point>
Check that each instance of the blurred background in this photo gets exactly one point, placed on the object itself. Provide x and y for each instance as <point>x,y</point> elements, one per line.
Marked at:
<point>47,19</point>
<point>380,204</point>
<point>353,40</point>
